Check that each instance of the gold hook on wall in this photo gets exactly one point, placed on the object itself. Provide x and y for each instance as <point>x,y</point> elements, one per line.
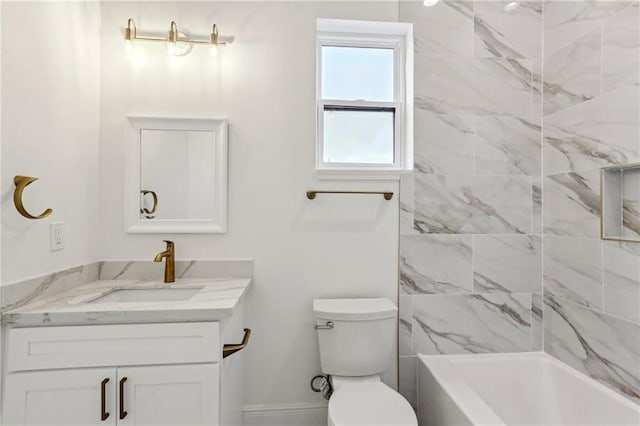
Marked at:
<point>21,183</point>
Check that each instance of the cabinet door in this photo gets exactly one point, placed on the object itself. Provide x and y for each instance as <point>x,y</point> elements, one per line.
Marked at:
<point>177,395</point>
<point>62,397</point>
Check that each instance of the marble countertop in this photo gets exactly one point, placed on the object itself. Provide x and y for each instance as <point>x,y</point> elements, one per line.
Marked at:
<point>214,300</point>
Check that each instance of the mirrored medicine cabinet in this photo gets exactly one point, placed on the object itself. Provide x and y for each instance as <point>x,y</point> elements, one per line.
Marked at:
<point>176,175</point>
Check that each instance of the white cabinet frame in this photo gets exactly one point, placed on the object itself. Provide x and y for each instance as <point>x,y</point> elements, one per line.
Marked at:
<point>133,223</point>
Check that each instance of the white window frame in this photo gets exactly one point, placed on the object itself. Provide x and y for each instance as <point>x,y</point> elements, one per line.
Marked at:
<point>368,34</point>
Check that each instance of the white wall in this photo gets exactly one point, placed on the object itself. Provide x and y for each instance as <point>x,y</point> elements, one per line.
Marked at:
<point>264,83</point>
<point>1,298</point>
<point>50,83</point>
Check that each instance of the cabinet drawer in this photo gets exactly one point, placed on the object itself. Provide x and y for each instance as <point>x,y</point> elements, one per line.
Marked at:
<point>109,345</point>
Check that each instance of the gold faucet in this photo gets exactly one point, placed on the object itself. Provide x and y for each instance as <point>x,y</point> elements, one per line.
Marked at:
<point>170,264</point>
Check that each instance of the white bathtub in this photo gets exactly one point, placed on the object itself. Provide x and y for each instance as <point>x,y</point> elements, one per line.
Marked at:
<point>514,389</point>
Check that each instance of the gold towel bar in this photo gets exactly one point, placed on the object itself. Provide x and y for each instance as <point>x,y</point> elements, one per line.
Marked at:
<point>387,195</point>
<point>21,183</point>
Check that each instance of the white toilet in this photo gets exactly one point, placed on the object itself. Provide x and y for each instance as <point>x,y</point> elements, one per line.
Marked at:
<point>356,343</point>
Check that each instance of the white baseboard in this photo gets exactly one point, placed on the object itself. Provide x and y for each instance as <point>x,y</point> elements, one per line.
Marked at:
<point>285,415</point>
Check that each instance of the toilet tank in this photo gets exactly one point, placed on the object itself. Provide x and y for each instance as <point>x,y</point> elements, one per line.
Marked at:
<point>361,341</point>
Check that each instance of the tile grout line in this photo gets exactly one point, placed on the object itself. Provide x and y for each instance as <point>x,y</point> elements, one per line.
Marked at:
<point>542,177</point>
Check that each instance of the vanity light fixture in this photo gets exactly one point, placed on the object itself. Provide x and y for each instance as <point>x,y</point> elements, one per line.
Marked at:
<point>430,3</point>
<point>177,44</point>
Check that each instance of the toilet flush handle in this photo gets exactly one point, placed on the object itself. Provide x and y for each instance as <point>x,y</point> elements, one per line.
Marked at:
<point>327,326</point>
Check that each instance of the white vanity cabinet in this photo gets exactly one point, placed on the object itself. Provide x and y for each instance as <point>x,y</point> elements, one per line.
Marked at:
<point>157,395</point>
<point>171,395</point>
<point>124,374</point>
<point>61,397</point>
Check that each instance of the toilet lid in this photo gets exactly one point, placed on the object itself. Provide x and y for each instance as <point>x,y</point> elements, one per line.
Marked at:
<point>371,404</point>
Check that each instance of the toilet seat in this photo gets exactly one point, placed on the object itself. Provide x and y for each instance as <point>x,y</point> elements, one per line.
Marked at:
<point>370,404</point>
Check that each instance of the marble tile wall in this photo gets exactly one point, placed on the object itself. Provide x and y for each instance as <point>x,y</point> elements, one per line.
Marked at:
<point>499,247</point>
<point>471,213</point>
<point>148,270</point>
<point>591,117</point>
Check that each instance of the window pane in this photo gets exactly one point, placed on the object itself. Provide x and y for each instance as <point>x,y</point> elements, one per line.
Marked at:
<point>358,136</point>
<point>351,73</point>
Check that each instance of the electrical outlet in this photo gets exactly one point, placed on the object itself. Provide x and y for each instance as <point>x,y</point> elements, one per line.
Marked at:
<point>56,236</point>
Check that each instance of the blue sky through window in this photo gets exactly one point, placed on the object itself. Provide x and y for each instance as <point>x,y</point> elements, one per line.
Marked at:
<point>351,73</point>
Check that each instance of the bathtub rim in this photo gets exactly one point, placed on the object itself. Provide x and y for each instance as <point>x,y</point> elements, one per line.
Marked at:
<point>467,400</point>
<point>473,406</point>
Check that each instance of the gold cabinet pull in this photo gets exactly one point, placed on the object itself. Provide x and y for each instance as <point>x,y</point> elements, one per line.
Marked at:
<point>231,349</point>
<point>103,400</point>
<point>123,413</point>
<point>21,183</point>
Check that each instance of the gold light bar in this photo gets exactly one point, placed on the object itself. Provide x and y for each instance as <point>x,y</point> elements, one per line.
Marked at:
<point>173,36</point>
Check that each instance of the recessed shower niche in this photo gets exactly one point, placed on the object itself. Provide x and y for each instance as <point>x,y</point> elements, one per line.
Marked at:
<point>620,202</point>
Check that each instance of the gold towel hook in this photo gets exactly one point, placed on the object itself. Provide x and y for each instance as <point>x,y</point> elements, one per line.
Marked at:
<point>21,183</point>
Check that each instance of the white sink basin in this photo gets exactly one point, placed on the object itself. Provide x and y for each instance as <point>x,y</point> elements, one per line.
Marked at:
<point>154,294</point>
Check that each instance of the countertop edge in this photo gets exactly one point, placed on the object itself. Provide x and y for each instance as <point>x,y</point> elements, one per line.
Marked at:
<point>58,316</point>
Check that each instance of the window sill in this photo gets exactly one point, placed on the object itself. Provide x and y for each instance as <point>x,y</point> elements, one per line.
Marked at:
<point>360,174</point>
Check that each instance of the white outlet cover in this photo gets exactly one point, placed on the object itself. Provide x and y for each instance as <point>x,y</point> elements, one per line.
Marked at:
<point>56,236</point>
